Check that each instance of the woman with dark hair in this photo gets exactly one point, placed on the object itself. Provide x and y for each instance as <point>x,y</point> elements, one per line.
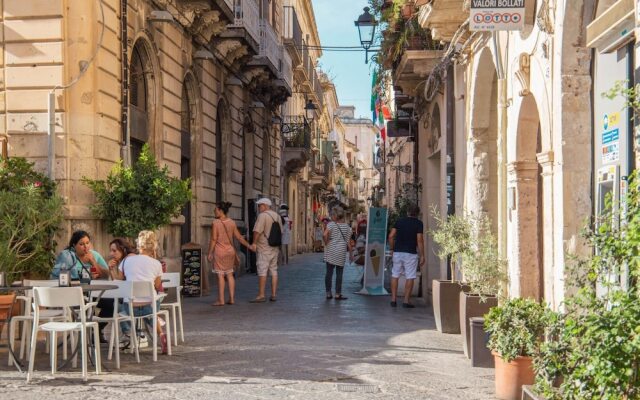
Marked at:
<point>119,248</point>
<point>222,252</point>
<point>80,259</point>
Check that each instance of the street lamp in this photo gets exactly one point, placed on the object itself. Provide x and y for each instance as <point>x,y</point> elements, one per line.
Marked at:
<point>366,24</point>
<point>390,157</point>
<point>309,110</point>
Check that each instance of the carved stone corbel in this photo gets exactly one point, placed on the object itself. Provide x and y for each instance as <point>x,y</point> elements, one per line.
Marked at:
<point>523,74</point>
<point>227,46</point>
<point>208,24</point>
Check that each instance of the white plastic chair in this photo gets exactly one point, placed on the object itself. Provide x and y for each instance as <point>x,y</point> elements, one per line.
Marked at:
<point>124,292</point>
<point>64,297</point>
<point>147,290</point>
<point>27,318</point>
<point>173,279</point>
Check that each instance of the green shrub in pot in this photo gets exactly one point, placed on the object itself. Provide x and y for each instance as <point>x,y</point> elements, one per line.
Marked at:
<point>516,328</point>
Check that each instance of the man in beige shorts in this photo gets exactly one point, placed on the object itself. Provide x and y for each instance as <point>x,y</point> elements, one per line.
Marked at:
<point>266,256</point>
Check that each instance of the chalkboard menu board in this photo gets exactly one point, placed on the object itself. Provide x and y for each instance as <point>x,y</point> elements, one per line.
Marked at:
<point>191,270</point>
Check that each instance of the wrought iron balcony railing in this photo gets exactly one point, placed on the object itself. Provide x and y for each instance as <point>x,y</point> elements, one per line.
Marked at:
<point>292,33</point>
<point>247,16</point>
<point>269,44</point>
<point>296,133</point>
<point>286,69</point>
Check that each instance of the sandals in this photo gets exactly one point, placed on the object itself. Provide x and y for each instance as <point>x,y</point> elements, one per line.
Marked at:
<point>272,298</point>
<point>217,304</point>
<point>340,297</point>
<point>258,300</point>
<point>329,296</point>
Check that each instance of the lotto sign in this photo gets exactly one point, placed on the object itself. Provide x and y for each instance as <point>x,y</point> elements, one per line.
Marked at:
<point>497,15</point>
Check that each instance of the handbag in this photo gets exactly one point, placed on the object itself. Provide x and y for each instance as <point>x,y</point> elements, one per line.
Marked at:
<point>236,261</point>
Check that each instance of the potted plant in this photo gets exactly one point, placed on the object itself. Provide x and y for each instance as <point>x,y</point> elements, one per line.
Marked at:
<point>30,214</point>
<point>143,196</point>
<point>452,235</point>
<point>516,330</point>
<point>593,351</point>
<point>484,272</point>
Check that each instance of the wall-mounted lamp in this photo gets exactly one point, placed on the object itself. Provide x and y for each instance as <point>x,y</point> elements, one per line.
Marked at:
<point>309,110</point>
<point>160,16</point>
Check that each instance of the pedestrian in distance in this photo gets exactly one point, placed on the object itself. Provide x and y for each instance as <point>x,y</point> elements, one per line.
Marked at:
<point>267,239</point>
<point>337,245</point>
<point>407,249</point>
<point>222,253</point>
<point>286,233</point>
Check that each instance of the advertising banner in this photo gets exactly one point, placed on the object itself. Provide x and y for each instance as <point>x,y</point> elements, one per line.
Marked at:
<point>497,15</point>
<point>374,261</point>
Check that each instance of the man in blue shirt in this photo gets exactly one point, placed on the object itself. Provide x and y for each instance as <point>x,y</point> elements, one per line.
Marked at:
<point>407,248</point>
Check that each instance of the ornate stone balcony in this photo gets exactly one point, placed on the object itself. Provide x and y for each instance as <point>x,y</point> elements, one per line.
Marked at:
<point>245,27</point>
<point>296,135</point>
<point>414,66</point>
<point>443,17</point>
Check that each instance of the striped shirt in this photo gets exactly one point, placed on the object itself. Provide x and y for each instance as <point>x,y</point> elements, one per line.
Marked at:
<point>335,252</point>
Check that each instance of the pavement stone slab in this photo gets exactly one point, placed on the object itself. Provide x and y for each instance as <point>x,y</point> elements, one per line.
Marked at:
<point>300,347</point>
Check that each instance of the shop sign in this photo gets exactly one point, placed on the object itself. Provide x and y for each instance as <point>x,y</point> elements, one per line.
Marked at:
<point>610,138</point>
<point>497,15</point>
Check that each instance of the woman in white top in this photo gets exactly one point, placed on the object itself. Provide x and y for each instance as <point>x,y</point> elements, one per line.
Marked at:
<point>146,268</point>
<point>337,244</point>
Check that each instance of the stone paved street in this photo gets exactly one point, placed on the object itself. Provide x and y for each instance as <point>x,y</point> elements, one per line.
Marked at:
<point>301,347</point>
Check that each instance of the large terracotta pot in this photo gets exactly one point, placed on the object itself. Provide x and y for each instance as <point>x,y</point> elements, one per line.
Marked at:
<point>446,305</point>
<point>471,306</point>
<point>511,376</point>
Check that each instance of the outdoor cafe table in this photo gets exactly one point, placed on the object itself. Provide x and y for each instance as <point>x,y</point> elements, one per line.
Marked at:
<point>86,288</point>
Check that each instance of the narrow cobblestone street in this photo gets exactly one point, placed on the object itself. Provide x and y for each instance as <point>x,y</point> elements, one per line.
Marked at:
<point>300,347</point>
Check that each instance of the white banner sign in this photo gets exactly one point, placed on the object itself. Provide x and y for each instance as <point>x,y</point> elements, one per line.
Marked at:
<point>497,15</point>
<point>375,260</point>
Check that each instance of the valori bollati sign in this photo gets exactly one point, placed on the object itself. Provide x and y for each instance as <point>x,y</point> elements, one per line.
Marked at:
<point>497,15</point>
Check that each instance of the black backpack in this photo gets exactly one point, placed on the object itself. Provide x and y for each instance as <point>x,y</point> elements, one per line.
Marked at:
<point>275,234</point>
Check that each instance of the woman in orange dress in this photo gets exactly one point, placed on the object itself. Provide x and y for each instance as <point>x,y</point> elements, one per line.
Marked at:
<point>222,251</point>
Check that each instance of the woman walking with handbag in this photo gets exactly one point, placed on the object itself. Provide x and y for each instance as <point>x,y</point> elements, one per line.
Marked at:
<point>337,243</point>
<point>222,252</point>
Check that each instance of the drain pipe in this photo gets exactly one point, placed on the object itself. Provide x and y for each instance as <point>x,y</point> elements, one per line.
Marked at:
<point>502,149</point>
<point>125,152</point>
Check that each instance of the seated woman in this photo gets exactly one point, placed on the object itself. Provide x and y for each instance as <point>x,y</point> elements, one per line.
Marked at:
<point>142,267</point>
<point>80,259</point>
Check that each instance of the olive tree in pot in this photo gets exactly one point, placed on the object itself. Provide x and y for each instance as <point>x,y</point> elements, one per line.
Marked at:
<point>452,235</point>
<point>484,272</point>
<point>516,329</point>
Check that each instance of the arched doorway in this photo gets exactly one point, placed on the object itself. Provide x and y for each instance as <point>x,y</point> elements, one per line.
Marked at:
<point>482,174</point>
<point>141,98</point>
<point>527,212</point>
<point>188,114</point>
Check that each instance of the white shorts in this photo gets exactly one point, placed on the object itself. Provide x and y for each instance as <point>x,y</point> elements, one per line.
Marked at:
<point>404,264</point>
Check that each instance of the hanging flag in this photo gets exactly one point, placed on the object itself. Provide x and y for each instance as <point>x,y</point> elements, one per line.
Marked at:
<point>374,95</point>
<point>383,134</point>
<point>386,113</point>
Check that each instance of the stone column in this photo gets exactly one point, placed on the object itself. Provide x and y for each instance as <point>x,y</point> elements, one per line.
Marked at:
<point>545,160</point>
<point>524,272</point>
<point>478,172</point>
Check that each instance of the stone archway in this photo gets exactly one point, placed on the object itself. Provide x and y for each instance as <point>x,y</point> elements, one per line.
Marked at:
<point>482,146</point>
<point>527,210</point>
<point>188,151</point>
<point>572,174</point>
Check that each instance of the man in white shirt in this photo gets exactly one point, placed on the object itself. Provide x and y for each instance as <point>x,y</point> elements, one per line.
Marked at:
<point>266,255</point>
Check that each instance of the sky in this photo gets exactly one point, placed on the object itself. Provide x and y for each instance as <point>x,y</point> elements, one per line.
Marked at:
<point>348,71</point>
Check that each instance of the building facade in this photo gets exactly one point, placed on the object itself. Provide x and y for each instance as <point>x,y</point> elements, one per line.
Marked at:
<point>198,81</point>
<point>513,125</point>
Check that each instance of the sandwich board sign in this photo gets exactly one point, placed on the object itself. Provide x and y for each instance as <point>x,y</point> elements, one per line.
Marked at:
<point>497,15</point>
<point>374,261</point>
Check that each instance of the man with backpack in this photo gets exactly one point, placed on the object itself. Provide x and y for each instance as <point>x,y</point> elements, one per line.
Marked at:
<point>267,238</point>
